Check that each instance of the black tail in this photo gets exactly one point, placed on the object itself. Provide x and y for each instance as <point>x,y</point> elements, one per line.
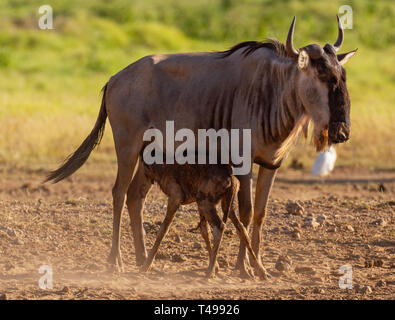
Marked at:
<point>74,161</point>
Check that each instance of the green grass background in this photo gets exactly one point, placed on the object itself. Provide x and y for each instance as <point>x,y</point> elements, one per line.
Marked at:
<point>50,79</point>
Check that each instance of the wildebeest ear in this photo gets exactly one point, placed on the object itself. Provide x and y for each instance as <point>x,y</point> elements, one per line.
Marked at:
<point>343,57</point>
<point>303,60</point>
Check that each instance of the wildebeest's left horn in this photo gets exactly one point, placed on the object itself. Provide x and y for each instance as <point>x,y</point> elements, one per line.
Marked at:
<point>289,45</point>
<point>340,36</point>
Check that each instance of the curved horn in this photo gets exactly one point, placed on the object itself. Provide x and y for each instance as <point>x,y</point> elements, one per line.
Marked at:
<point>289,45</point>
<point>340,36</point>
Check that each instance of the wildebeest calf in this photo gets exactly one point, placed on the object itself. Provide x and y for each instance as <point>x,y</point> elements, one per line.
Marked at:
<point>207,185</point>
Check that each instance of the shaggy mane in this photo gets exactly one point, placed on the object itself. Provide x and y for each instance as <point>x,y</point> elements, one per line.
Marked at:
<point>251,46</point>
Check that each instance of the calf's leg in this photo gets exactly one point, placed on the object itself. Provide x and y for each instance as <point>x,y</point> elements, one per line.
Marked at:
<point>203,226</point>
<point>172,206</point>
<point>208,210</point>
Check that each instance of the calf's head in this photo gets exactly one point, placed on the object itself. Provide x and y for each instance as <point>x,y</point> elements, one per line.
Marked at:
<point>322,88</point>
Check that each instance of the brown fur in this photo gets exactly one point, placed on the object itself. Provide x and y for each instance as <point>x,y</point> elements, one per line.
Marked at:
<point>207,185</point>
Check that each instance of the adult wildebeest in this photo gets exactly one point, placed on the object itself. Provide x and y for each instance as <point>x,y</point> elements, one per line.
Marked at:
<point>270,88</point>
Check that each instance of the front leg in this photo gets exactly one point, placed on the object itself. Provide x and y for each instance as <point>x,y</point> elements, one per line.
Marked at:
<point>263,186</point>
<point>245,211</point>
<point>203,226</point>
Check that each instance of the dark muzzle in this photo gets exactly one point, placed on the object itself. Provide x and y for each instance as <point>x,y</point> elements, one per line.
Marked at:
<point>338,132</point>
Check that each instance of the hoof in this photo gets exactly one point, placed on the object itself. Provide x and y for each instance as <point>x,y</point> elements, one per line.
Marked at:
<point>216,269</point>
<point>246,273</point>
<point>115,262</point>
<point>263,276</point>
<point>144,269</point>
<point>146,266</point>
<point>262,273</point>
<point>115,268</point>
<point>140,261</point>
<point>210,273</point>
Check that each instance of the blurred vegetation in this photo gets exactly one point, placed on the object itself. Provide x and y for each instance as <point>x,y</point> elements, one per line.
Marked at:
<point>50,79</point>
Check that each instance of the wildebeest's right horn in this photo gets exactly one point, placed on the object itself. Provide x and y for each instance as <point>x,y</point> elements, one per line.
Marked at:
<point>340,36</point>
<point>289,45</point>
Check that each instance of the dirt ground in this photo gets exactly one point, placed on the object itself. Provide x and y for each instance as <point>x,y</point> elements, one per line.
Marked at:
<point>348,219</point>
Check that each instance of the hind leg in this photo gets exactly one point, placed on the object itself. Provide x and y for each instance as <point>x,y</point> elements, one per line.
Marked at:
<point>127,158</point>
<point>172,206</point>
<point>136,195</point>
